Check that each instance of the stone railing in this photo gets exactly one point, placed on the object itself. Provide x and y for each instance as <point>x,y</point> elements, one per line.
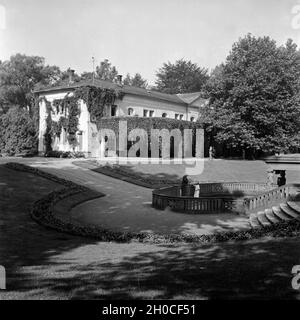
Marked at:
<point>266,198</point>
<point>232,187</point>
<point>220,197</point>
<point>170,197</point>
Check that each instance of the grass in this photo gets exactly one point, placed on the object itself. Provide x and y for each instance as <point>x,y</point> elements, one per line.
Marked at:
<point>44,264</point>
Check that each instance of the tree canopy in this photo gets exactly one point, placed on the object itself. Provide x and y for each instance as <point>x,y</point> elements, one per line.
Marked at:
<point>135,81</point>
<point>181,77</point>
<point>254,97</point>
<point>105,71</point>
<point>20,75</point>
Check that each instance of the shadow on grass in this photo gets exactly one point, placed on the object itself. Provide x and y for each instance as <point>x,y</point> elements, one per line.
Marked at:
<point>232,271</point>
<point>23,241</point>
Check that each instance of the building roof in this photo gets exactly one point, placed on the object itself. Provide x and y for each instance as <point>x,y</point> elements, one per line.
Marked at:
<point>111,85</point>
<point>189,97</point>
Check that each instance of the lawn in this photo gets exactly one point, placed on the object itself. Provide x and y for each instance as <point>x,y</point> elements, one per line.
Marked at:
<point>42,263</point>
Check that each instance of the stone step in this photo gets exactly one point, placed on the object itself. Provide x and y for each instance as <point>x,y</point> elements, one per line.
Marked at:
<point>254,223</point>
<point>294,206</point>
<point>290,212</point>
<point>262,219</point>
<point>280,214</point>
<point>271,217</point>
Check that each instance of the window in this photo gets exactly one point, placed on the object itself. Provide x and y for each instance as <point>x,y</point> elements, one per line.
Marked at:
<point>113,111</point>
<point>148,113</point>
<point>164,115</point>
<point>130,111</point>
<point>192,119</point>
<point>178,116</point>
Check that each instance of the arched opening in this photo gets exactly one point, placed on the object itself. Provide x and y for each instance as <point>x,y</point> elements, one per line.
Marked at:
<point>130,111</point>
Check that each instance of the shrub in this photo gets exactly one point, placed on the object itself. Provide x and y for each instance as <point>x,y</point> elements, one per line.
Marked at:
<point>17,132</point>
<point>64,154</point>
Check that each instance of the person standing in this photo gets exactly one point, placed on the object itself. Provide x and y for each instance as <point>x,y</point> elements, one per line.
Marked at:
<point>211,152</point>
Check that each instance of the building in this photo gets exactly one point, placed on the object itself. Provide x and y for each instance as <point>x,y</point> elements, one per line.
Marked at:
<point>136,102</point>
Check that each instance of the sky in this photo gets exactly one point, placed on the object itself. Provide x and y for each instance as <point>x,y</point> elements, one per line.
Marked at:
<point>139,35</point>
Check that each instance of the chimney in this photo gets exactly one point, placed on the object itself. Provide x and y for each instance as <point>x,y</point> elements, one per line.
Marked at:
<point>71,74</point>
<point>119,79</point>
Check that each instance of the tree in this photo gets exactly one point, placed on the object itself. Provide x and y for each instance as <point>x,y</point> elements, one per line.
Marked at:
<point>19,76</point>
<point>86,75</point>
<point>106,71</point>
<point>64,76</point>
<point>17,132</point>
<point>181,77</point>
<point>136,81</point>
<point>255,97</point>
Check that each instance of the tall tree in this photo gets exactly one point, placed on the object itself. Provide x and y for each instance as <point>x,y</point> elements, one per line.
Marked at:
<point>136,81</point>
<point>106,71</point>
<point>181,77</point>
<point>20,75</point>
<point>255,97</point>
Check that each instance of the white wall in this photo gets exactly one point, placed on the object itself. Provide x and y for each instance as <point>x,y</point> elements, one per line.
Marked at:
<point>138,104</point>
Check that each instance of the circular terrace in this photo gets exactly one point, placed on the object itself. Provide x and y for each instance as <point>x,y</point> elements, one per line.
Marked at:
<point>209,198</point>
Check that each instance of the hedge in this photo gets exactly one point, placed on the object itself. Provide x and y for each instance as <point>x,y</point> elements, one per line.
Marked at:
<point>150,123</point>
<point>146,123</point>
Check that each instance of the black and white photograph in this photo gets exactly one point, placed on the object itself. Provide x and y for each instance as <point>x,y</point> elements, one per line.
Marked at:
<point>149,152</point>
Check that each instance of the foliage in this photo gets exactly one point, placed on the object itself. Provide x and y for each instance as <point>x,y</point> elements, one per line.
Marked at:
<point>96,99</point>
<point>136,81</point>
<point>254,97</point>
<point>70,104</point>
<point>57,126</point>
<point>19,76</point>
<point>17,132</point>
<point>65,76</point>
<point>64,154</point>
<point>181,77</point>
<point>86,76</point>
<point>106,71</point>
<point>147,124</point>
